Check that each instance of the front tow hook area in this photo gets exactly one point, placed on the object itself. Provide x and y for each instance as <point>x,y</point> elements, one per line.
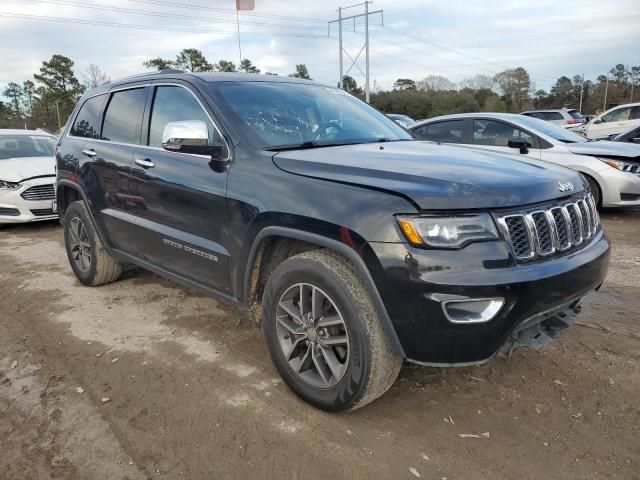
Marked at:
<point>541,330</point>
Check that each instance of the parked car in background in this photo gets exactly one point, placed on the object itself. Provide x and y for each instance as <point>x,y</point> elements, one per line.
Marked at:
<point>353,245</point>
<point>614,121</point>
<point>402,120</point>
<point>567,118</point>
<point>632,135</point>
<point>611,168</point>
<point>27,175</point>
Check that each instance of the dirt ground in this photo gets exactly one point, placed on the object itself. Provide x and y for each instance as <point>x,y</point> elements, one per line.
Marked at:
<point>145,379</point>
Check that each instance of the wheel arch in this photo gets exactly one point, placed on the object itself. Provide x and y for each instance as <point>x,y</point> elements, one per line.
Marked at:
<point>298,241</point>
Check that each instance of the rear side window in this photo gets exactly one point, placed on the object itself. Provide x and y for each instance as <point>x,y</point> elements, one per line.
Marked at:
<point>498,134</point>
<point>635,113</point>
<point>176,104</point>
<point>87,123</point>
<point>553,116</point>
<point>124,115</point>
<point>451,131</point>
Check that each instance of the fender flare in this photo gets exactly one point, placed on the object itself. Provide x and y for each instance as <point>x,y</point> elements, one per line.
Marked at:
<point>342,249</point>
<point>78,188</point>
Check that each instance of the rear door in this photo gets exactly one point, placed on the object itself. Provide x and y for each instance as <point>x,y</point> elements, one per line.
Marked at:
<point>489,134</point>
<point>182,215</point>
<point>112,185</point>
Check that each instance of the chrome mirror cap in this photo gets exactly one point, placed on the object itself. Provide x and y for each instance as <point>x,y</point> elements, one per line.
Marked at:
<point>190,133</point>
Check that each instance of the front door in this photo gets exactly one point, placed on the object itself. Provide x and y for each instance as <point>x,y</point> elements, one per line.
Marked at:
<point>182,214</point>
<point>495,135</point>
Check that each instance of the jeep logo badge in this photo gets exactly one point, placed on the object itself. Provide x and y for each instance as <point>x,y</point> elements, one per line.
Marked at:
<point>565,187</point>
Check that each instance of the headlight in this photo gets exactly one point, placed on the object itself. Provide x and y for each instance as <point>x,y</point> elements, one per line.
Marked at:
<point>619,164</point>
<point>447,232</point>
<point>8,185</point>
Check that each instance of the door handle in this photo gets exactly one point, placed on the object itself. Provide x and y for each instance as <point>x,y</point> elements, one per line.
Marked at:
<point>145,163</point>
<point>89,153</point>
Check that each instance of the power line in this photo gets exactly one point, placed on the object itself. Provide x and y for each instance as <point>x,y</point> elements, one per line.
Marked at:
<point>97,6</point>
<point>191,6</point>
<point>458,52</point>
<point>151,27</point>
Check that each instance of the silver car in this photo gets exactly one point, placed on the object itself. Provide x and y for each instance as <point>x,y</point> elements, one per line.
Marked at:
<point>611,168</point>
<point>571,119</point>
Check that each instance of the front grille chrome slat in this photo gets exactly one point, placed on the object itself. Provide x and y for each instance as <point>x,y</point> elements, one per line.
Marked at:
<point>39,193</point>
<point>547,231</point>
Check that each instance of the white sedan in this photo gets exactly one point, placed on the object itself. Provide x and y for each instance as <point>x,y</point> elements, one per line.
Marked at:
<point>611,168</point>
<point>27,176</point>
<point>614,121</point>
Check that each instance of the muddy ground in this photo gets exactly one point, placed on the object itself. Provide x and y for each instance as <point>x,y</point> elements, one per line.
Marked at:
<point>145,379</point>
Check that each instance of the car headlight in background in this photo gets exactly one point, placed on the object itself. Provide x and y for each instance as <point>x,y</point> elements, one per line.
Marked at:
<point>620,165</point>
<point>8,185</point>
<point>447,232</point>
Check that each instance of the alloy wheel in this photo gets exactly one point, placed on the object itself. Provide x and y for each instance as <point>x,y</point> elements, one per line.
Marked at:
<point>312,335</point>
<point>80,245</point>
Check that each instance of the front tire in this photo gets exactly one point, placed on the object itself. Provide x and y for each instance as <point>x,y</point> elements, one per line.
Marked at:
<point>595,191</point>
<point>90,262</point>
<point>324,334</point>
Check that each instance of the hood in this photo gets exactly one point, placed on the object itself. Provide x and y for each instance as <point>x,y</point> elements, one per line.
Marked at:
<point>18,169</point>
<point>606,148</point>
<point>435,176</point>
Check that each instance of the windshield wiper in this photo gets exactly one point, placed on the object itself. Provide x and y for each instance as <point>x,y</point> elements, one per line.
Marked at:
<point>305,145</point>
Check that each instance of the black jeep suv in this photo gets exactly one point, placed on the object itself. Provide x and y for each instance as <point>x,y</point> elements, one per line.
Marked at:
<point>353,244</point>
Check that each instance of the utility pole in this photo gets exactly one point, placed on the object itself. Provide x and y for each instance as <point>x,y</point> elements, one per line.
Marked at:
<point>364,48</point>
<point>58,112</point>
<point>239,44</point>
<point>341,81</point>
<point>366,44</point>
<point>606,90</point>
<point>581,90</point>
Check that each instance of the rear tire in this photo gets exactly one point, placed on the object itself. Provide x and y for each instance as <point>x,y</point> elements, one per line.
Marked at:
<point>89,260</point>
<point>347,360</point>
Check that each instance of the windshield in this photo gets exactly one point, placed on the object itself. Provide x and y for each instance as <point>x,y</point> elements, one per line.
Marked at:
<point>16,146</point>
<point>290,114</point>
<point>558,133</point>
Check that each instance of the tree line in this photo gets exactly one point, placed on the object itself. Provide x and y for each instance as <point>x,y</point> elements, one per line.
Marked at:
<point>511,90</point>
<point>48,100</point>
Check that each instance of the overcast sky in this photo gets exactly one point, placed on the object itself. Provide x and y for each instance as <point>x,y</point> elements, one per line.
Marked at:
<point>454,38</point>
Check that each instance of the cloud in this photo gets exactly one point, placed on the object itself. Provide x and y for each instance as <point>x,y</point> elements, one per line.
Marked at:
<point>549,38</point>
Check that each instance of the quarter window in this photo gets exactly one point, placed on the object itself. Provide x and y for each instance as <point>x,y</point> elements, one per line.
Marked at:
<point>87,122</point>
<point>123,116</point>
<point>176,104</point>
<point>451,131</point>
<point>498,134</point>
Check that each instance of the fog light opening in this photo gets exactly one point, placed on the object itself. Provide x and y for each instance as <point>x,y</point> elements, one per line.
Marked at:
<point>478,310</point>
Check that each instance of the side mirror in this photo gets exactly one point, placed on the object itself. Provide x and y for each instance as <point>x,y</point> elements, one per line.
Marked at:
<point>519,143</point>
<point>598,120</point>
<point>190,136</point>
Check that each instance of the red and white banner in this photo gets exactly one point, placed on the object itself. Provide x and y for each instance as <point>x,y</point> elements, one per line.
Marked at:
<point>245,4</point>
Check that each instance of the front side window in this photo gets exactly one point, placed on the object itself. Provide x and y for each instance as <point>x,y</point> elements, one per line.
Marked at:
<point>279,114</point>
<point>498,134</point>
<point>451,131</point>
<point>620,115</point>
<point>21,146</point>
<point>87,123</point>
<point>123,116</point>
<point>176,104</point>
